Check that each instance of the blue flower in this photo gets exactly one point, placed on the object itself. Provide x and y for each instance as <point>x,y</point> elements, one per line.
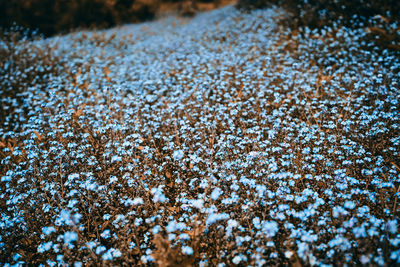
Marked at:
<point>187,250</point>
<point>178,154</point>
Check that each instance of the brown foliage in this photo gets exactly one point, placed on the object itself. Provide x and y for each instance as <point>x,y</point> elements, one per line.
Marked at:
<point>377,15</point>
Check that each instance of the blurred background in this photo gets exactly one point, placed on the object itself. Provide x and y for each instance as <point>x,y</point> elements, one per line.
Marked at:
<point>50,17</point>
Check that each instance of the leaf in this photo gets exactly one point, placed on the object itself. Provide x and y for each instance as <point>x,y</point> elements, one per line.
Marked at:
<point>78,113</point>
<point>106,71</point>
<point>39,137</point>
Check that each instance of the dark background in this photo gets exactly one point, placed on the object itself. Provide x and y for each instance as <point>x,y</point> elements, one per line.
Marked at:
<point>59,16</point>
<point>51,17</point>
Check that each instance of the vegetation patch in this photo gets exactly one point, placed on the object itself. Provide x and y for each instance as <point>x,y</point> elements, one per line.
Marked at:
<point>221,140</point>
<point>380,17</point>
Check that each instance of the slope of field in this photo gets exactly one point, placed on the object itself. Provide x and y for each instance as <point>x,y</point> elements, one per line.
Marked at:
<point>226,139</point>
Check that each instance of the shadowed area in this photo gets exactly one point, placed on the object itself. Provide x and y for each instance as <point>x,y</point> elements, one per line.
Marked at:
<point>59,16</point>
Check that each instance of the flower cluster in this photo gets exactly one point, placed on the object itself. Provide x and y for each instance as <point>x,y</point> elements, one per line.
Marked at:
<point>221,140</point>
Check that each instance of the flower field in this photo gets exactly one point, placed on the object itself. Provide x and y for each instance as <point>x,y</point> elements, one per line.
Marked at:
<point>227,139</point>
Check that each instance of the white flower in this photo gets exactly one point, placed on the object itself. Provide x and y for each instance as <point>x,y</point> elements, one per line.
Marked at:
<point>48,230</point>
<point>70,237</point>
<point>270,228</point>
<point>236,259</point>
<point>138,201</point>
<point>111,254</point>
<point>392,226</point>
<point>187,250</point>
<point>214,217</point>
<point>115,158</point>
<point>288,254</point>
<point>198,203</point>
<point>105,234</point>
<point>44,247</point>
<point>158,195</point>
<point>216,193</point>
<point>100,249</point>
<point>178,154</point>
